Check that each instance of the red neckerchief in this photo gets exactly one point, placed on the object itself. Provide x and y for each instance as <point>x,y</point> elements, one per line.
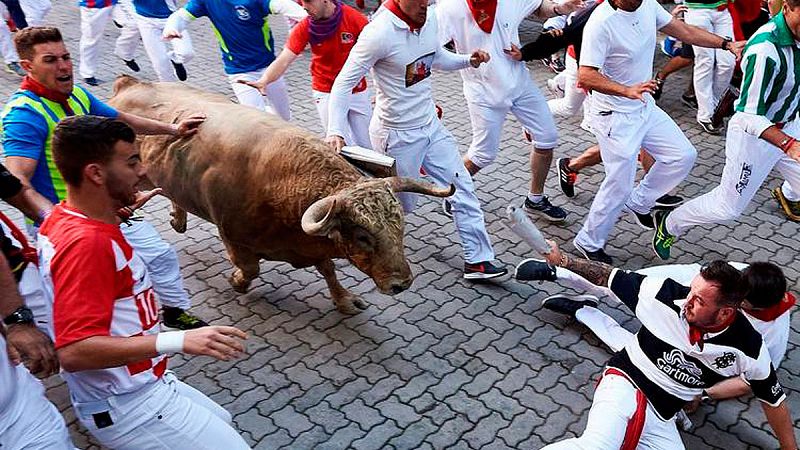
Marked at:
<point>483,12</point>
<point>775,311</point>
<point>696,334</point>
<point>392,6</point>
<point>29,84</point>
<point>28,253</point>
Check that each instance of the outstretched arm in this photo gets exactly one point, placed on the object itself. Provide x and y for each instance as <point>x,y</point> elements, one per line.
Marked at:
<point>595,272</point>
<point>781,422</point>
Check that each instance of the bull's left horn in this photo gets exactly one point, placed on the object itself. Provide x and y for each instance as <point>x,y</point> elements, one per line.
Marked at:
<point>319,217</point>
<point>402,184</point>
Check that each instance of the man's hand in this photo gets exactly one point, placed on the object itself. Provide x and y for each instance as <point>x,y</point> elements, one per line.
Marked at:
<point>514,52</point>
<point>737,48</point>
<point>28,345</point>
<point>794,151</point>
<point>143,197</point>
<point>336,142</point>
<point>637,91</point>
<point>478,57</point>
<point>570,6</point>
<point>189,126</point>
<point>224,343</point>
<point>678,11</point>
<point>262,87</point>
<point>693,405</point>
<point>171,34</point>
<point>555,32</point>
<point>554,257</point>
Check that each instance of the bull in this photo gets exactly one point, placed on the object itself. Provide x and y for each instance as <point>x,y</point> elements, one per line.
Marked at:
<point>274,191</point>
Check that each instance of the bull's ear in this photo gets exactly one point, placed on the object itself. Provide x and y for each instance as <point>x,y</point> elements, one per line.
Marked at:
<point>321,217</point>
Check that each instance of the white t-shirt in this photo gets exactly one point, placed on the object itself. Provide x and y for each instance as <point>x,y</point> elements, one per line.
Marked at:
<point>498,81</point>
<point>621,44</point>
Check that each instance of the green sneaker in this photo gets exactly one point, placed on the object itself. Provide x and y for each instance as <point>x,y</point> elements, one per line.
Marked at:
<point>662,240</point>
<point>179,319</point>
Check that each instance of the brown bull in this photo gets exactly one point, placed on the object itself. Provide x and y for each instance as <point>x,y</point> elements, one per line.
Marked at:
<point>274,191</point>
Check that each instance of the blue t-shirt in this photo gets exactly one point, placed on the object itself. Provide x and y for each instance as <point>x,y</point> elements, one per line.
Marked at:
<point>156,9</point>
<point>242,29</point>
<point>25,134</point>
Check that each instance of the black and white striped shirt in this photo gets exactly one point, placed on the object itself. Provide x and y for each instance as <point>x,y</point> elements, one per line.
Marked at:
<point>666,366</point>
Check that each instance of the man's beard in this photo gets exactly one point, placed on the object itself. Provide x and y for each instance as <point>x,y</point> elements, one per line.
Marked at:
<point>118,192</point>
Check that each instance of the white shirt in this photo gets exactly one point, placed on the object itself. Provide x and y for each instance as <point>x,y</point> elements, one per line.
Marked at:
<point>401,63</point>
<point>621,44</point>
<point>498,81</point>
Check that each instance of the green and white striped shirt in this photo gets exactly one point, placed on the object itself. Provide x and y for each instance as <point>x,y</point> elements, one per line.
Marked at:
<point>771,67</point>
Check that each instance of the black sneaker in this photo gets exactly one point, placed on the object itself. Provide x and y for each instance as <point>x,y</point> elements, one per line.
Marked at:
<point>557,65</point>
<point>180,71</point>
<point>708,127</point>
<point>482,271</point>
<point>597,255</point>
<point>566,177</point>
<point>132,64</point>
<point>179,319</point>
<point>544,208</point>
<point>534,270</point>
<point>569,305</point>
<point>643,220</point>
<point>447,207</point>
<point>659,88</point>
<point>91,81</point>
<point>669,201</point>
<point>689,100</point>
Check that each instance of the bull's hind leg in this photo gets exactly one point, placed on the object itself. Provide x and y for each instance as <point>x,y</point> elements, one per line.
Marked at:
<point>246,263</point>
<point>346,302</point>
<point>178,220</point>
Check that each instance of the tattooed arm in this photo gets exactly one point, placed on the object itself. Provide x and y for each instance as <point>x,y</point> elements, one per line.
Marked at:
<point>595,272</point>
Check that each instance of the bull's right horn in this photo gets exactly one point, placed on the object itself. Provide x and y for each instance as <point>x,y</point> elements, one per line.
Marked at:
<point>319,217</point>
<point>402,184</point>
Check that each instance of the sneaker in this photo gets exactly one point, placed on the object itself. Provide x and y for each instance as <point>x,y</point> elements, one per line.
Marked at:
<point>91,81</point>
<point>15,69</point>
<point>683,421</point>
<point>669,201</point>
<point>597,255</point>
<point>482,271</point>
<point>534,270</point>
<point>689,100</point>
<point>447,207</point>
<point>179,319</point>
<point>557,65</point>
<point>662,239</point>
<point>131,64</point>
<point>670,47</point>
<point>566,177</point>
<point>708,127</point>
<point>544,208</point>
<point>554,88</point>
<point>569,305</point>
<point>643,220</point>
<point>180,71</point>
<point>792,209</point>
<point>659,88</point>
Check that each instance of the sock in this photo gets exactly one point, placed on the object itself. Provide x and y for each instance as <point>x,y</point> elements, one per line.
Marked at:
<point>535,198</point>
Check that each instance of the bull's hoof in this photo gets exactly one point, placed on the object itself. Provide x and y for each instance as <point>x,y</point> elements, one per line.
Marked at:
<point>178,225</point>
<point>238,282</point>
<point>350,304</point>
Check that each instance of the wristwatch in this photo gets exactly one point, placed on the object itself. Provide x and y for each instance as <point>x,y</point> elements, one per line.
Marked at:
<point>726,42</point>
<point>23,315</point>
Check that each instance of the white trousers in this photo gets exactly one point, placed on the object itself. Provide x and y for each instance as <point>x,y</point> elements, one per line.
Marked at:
<point>433,148</point>
<point>30,421</point>
<point>620,136</point>
<point>529,107</point>
<point>35,11</point>
<point>6,43</point>
<point>748,162</point>
<point>93,24</point>
<point>570,104</point>
<point>125,15</point>
<point>160,52</point>
<point>168,415</point>
<point>358,117</point>
<point>713,68</point>
<point>618,408</point>
<point>161,261</point>
<point>276,101</point>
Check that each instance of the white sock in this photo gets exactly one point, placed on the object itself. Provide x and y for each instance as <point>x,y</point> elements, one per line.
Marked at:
<point>535,198</point>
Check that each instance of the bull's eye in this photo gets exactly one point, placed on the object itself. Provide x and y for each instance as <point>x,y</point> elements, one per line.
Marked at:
<point>363,239</point>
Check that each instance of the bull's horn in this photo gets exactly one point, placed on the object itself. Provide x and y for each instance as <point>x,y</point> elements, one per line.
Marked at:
<point>319,217</point>
<point>402,184</point>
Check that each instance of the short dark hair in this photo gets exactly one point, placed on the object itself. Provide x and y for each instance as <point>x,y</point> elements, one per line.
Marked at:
<point>29,37</point>
<point>82,140</point>
<point>731,284</point>
<point>767,284</point>
<point>793,3</point>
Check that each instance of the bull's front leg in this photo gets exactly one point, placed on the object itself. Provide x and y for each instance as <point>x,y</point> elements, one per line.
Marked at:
<point>345,301</point>
<point>247,268</point>
<point>178,220</point>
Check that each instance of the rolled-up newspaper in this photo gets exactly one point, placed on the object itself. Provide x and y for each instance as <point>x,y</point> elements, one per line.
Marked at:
<point>518,222</point>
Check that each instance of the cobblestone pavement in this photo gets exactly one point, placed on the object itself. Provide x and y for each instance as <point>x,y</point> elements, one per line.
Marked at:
<point>446,364</point>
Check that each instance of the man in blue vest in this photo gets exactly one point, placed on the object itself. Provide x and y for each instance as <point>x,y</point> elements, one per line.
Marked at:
<point>46,96</point>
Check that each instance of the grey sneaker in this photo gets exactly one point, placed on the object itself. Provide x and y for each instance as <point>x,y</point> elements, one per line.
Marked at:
<point>544,208</point>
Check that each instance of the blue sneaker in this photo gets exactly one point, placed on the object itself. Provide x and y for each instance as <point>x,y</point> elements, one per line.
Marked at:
<point>670,47</point>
